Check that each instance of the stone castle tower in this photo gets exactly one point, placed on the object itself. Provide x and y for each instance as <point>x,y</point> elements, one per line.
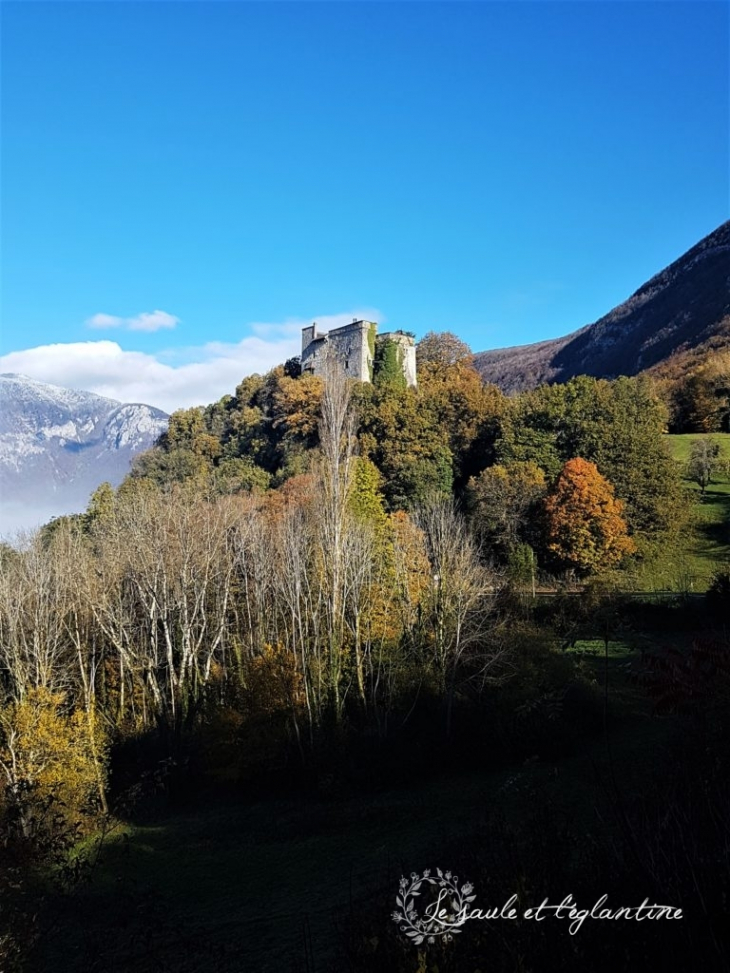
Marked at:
<point>353,346</point>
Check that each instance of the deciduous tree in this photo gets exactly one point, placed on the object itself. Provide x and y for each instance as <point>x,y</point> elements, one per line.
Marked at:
<point>504,502</point>
<point>442,348</point>
<point>585,525</point>
<point>704,457</point>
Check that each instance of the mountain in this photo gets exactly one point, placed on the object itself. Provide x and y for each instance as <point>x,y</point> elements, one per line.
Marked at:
<point>683,308</point>
<point>57,445</point>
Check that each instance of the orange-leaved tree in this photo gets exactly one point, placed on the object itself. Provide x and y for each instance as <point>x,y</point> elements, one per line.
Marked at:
<point>585,526</point>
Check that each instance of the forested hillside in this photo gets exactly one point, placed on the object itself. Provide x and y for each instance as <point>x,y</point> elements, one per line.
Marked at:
<point>449,437</point>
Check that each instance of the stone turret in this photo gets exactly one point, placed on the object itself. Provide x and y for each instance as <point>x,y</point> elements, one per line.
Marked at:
<point>308,336</point>
<point>407,347</point>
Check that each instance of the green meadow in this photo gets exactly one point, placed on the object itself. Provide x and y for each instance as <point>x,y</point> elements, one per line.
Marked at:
<point>708,545</point>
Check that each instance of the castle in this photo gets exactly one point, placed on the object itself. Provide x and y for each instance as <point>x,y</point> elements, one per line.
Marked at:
<point>354,346</point>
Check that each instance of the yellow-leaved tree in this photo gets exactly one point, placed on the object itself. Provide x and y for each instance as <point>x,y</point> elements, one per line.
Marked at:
<point>51,761</point>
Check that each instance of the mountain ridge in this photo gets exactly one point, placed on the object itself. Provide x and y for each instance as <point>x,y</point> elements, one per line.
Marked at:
<point>678,309</point>
<point>58,444</point>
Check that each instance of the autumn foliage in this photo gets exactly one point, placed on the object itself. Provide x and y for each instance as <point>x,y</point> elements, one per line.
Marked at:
<point>585,526</point>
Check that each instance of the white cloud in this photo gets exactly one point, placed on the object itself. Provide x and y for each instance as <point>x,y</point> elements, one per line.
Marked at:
<point>146,321</point>
<point>152,321</point>
<point>174,379</point>
<point>105,321</point>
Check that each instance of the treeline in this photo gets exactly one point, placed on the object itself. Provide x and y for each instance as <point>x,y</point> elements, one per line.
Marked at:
<point>695,385</point>
<point>438,438</point>
<point>296,553</point>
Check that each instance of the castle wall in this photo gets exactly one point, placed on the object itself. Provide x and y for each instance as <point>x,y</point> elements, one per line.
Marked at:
<point>352,347</point>
<point>313,356</point>
<point>349,346</point>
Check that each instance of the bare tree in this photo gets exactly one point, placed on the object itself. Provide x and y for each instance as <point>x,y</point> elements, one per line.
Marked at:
<point>461,598</point>
<point>359,576</point>
<point>337,439</point>
<point>250,547</point>
<point>33,607</point>
<point>175,578</point>
<point>300,599</point>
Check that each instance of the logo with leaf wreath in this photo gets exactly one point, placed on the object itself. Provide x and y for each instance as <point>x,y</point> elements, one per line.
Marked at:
<point>443,917</point>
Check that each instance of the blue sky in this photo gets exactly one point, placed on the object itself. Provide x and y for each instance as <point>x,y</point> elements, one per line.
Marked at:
<point>202,178</point>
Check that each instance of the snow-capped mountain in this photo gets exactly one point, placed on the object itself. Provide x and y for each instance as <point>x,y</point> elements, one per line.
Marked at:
<point>57,445</point>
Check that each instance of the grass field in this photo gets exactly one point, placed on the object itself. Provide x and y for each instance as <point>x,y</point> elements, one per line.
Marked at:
<point>682,444</point>
<point>709,547</point>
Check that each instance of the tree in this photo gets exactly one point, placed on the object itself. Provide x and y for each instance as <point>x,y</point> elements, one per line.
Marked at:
<point>295,413</point>
<point>47,761</point>
<point>504,501</point>
<point>462,596</point>
<point>699,400</point>
<point>704,457</point>
<point>442,348</point>
<point>585,526</point>
<point>188,430</point>
<point>337,429</point>
<point>34,598</point>
<point>101,504</point>
<point>366,499</point>
<point>161,597</point>
<point>401,436</point>
<point>617,425</point>
<point>164,466</point>
<point>464,410</point>
<point>239,475</point>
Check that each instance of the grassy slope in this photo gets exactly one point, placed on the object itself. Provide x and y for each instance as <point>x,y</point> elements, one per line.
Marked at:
<point>682,444</point>
<point>689,566</point>
<point>710,545</point>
